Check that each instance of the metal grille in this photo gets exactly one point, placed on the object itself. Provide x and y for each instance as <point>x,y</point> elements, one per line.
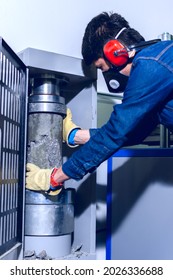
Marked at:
<point>12,145</point>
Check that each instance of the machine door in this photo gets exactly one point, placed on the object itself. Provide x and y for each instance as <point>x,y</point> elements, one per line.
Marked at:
<point>13,88</point>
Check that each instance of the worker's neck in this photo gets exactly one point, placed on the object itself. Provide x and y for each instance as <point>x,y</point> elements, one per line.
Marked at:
<point>126,70</point>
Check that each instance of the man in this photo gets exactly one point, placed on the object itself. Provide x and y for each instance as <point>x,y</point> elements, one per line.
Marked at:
<point>147,101</point>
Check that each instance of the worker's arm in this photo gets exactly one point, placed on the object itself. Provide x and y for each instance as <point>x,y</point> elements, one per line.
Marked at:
<point>60,176</point>
<point>73,135</point>
<point>81,137</point>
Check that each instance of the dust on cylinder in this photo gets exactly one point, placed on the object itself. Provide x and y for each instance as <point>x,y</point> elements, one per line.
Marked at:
<point>45,140</point>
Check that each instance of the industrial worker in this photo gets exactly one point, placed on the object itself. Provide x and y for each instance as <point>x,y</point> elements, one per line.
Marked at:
<point>112,45</point>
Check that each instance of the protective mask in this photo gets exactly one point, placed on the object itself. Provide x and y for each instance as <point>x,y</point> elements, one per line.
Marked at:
<point>115,81</point>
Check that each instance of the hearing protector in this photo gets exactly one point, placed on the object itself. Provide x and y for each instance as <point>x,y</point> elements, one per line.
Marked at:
<point>117,54</point>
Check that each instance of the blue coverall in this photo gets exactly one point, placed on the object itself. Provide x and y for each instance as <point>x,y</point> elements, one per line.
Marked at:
<point>147,101</point>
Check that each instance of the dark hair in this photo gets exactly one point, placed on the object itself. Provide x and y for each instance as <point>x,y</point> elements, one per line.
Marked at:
<point>102,28</point>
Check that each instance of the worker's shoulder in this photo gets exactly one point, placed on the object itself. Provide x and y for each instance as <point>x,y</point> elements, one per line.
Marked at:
<point>156,50</point>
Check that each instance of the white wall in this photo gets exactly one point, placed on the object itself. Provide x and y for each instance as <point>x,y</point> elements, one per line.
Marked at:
<point>58,25</point>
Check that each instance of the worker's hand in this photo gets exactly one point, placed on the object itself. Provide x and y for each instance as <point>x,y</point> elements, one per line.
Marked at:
<point>39,180</point>
<point>69,129</point>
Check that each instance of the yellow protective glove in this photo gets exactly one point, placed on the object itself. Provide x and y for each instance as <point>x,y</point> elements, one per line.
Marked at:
<point>39,179</point>
<point>68,126</point>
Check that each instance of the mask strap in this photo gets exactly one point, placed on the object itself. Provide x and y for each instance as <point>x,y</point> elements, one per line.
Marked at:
<point>118,34</point>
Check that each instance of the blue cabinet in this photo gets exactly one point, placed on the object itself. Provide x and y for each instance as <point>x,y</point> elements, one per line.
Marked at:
<point>140,205</point>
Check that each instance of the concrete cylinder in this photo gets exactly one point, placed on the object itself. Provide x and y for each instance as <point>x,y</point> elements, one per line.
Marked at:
<point>45,140</point>
<point>48,219</point>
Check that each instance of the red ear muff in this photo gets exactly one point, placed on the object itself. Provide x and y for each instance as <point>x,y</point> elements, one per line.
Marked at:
<point>115,53</point>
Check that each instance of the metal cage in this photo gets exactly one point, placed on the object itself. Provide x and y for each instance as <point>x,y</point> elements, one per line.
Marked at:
<point>13,88</point>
